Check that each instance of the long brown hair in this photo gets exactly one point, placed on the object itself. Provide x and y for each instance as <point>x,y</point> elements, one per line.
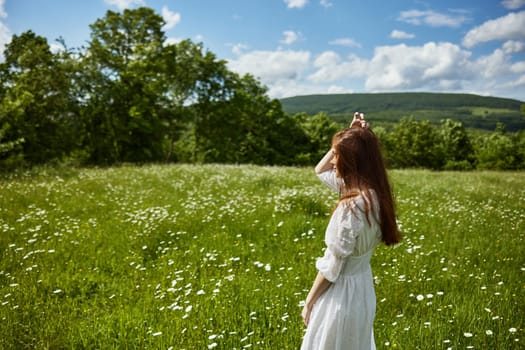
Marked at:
<point>361,166</point>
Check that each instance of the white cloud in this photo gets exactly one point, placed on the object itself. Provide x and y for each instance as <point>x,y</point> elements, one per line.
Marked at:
<point>326,3</point>
<point>494,65</point>
<point>516,83</point>
<point>5,33</point>
<point>272,66</point>
<point>238,48</point>
<point>56,47</point>
<point>345,42</point>
<point>431,18</point>
<point>398,34</point>
<point>513,4</point>
<point>124,4</point>
<point>518,67</point>
<point>498,75</point>
<point>331,68</point>
<point>288,88</point>
<point>511,26</point>
<point>5,38</point>
<point>431,66</point>
<point>172,41</point>
<point>512,46</point>
<point>171,18</point>
<point>443,67</point>
<point>290,37</point>
<point>327,58</point>
<point>295,3</point>
<point>3,14</point>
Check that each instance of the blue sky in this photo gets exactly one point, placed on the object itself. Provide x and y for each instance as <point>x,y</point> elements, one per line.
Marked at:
<point>298,47</point>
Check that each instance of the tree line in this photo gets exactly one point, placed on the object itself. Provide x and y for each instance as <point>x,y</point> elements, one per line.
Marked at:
<point>132,96</point>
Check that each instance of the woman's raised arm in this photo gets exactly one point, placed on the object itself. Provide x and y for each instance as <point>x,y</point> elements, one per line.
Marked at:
<point>325,163</point>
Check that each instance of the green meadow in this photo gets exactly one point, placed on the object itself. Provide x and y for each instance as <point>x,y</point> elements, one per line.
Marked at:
<point>217,256</point>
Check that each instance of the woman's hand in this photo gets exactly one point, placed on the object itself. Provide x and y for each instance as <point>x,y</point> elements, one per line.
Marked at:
<point>359,120</point>
<point>306,314</point>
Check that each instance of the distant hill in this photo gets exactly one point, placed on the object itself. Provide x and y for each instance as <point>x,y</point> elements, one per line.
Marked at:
<point>473,111</point>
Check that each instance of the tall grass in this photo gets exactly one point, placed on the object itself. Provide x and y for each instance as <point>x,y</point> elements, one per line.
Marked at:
<point>214,256</point>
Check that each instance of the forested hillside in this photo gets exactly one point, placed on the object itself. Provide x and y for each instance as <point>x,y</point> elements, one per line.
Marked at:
<point>473,111</point>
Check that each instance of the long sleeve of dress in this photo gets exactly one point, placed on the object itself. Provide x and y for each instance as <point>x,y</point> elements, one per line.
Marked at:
<point>330,179</point>
<point>340,241</point>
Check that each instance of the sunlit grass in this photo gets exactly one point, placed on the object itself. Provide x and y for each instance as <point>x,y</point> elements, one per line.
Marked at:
<point>213,256</point>
<point>486,111</point>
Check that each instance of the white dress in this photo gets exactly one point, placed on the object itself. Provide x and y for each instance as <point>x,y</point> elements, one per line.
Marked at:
<point>343,316</point>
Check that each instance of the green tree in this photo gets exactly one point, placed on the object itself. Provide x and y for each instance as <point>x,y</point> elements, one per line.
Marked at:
<point>457,149</point>
<point>6,147</point>
<point>214,101</point>
<point>498,150</point>
<point>148,99</point>
<point>241,124</point>
<point>187,68</point>
<point>124,80</point>
<point>37,106</point>
<point>319,130</point>
<point>519,138</point>
<point>414,144</point>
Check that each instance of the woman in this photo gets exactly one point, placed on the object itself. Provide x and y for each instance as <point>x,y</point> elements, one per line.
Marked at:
<point>340,307</point>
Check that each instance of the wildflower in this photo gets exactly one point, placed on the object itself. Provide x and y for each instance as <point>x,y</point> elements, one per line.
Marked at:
<point>420,297</point>
<point>488,332</point>
<point>467,335</point>
<point>512,330</point>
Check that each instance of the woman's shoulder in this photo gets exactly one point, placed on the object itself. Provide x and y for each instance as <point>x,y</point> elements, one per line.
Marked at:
<point>360,204</point>
<point>360,199</point>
